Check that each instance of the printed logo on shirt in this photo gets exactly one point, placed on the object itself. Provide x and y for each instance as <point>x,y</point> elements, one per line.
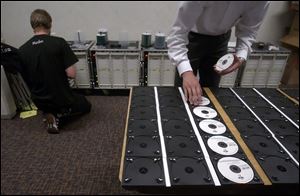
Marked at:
<point>37,42</point>
<point>5,50</point>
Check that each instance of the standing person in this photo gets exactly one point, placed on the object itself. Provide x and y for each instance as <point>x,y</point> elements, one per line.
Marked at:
<point>200,35</point>
<point>48,63</point>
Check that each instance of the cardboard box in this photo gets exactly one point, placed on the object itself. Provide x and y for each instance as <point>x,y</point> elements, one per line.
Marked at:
<point>290,77</point>
<point>292,38</point>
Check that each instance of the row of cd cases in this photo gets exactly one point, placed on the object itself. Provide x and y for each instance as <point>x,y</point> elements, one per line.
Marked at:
<point>114,67</point>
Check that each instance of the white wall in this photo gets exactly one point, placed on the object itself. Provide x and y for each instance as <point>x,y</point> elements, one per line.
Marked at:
<point>132,16</point>
<point>277,20</point>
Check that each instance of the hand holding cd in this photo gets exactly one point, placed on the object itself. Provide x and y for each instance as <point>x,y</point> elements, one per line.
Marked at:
<point>227,64</point>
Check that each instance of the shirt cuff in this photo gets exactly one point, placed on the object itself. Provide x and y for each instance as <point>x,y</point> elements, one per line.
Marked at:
<point>184,66</point>
<point>242,53</point>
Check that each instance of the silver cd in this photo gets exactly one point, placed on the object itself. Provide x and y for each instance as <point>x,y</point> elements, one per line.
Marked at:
<point>224,62</point>
<point>205,112</point>
<point>235,170</point>
<point>213,127</point>
<point>222,145</point>
<point>205,101</point>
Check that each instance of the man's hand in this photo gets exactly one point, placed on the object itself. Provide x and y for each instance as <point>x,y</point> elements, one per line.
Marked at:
<point>71,71</point>
<point>237,62</point>
<point>192,88</point>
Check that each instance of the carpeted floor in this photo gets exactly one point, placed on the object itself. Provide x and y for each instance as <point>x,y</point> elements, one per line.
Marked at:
<point>83,159</point>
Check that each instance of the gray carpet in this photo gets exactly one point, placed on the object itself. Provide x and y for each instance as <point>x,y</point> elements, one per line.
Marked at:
<point>83,159</point>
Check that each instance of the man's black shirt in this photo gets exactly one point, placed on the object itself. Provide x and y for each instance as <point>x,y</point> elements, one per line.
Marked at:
<point>45,59</point>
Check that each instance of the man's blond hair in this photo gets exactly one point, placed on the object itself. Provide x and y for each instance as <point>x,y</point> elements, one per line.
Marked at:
<point>40,18</point>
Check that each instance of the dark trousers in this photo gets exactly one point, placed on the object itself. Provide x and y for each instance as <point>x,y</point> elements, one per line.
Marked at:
<point>203,52</point>
<point>80,106</point>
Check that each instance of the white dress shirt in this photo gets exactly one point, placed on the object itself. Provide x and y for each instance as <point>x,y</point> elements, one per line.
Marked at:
<point>214,18</point>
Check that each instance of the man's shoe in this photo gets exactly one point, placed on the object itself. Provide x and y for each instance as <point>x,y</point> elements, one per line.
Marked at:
<point>51,123</point>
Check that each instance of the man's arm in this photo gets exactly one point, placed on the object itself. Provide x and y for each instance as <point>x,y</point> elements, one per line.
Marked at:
<point>247,27</point>
<point>246,31</point>
<point>177,40</point>
<point>69,59</point>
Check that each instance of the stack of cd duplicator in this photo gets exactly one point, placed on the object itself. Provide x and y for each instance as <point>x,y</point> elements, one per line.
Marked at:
<point>115,66</point>
<point>235,137</point>
<point>84,72</point>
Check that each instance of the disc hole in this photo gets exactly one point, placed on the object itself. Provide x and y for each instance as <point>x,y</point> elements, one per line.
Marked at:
<point>143,170</point>
<point>182,145</point>
<point>235,169</point>
<point>263,144</point>
<point>143,145</point>
<point>204,111</point>
<point>189,170</point>
<point>222,145</point>
<point>281,168</point>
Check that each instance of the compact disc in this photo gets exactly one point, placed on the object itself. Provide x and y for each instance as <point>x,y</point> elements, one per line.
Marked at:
<point>212,126</point>
<point>224,62</point>
<point>204,101</point>
<point>222,145</point>
<point>235,170</point>
<point>205,112</point>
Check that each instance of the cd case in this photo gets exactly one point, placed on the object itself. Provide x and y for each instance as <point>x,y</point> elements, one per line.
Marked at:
<point>170,144</point>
